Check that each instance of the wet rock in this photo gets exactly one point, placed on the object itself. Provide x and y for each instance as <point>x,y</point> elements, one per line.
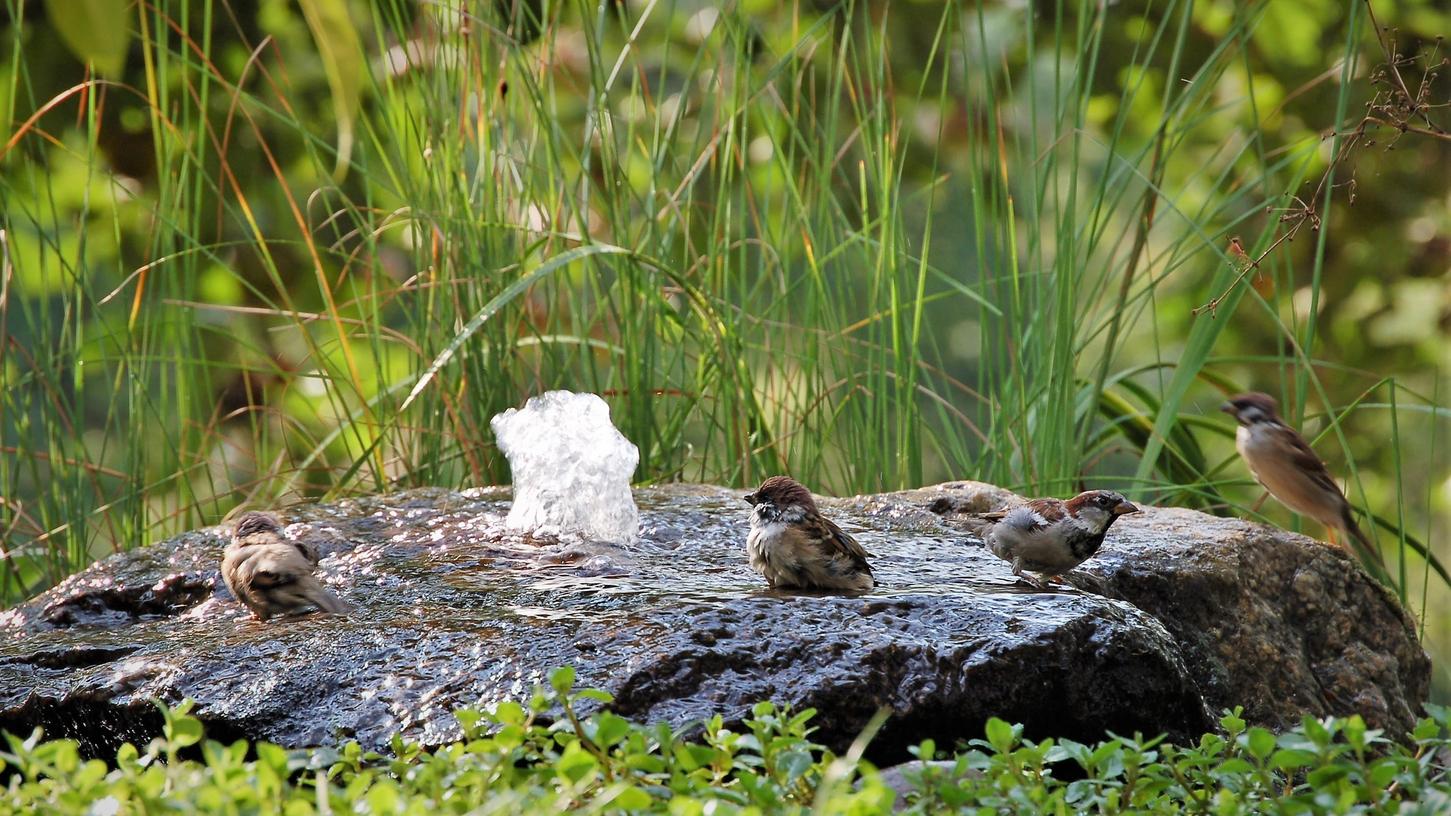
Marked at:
<point>453,609</point>
<point>1266,619</point>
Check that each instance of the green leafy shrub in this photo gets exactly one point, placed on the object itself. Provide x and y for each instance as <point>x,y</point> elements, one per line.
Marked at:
<point>544,756</point>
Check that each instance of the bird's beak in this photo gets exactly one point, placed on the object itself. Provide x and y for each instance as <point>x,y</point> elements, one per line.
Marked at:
<point>750,498</point>
<point>1228,408</point>
<point>1123,508</point>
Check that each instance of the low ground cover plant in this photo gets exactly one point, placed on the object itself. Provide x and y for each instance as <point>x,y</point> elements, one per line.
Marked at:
<point>544,755</point>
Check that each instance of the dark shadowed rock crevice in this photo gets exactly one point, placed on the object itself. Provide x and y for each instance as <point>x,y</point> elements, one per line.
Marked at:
<point>1180,615</point>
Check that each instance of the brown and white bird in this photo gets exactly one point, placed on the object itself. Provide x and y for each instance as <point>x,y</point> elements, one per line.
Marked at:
<point>1052,536</point>
<point>1285,464</point>
<point>792,545</point>
<point>271,575</point>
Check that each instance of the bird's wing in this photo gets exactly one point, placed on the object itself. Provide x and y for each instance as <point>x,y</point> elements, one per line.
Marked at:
<point>1035,515</point>
<point>1304,459</point>
<point>279,565</point>
<point>844,543</point>
<point>1051,511</point>
<point>829,539</point>
<point>284,574</point>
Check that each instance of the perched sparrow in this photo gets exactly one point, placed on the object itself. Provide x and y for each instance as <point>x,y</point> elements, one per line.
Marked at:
<point>271,575</point>
<point>1283,462</point>
<point>1052,536</point>
<point>792,545</point>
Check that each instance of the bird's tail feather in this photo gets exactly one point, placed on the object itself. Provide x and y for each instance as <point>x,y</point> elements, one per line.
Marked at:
<point>323,599</point>
<point>1363,545</point>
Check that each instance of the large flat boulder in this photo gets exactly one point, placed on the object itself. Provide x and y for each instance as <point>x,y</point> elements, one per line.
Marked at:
<point>1168,625</point>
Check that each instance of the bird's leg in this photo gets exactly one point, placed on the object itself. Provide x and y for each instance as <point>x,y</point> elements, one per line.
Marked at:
<point>1333,536</point>
<point>1025,578</point>
<point>1260,502</point>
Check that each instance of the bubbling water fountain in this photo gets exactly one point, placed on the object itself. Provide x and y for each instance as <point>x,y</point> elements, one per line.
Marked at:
<point>571,467</point>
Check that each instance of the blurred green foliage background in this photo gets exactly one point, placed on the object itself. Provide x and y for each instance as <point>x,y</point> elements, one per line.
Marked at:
<point>261,252</point>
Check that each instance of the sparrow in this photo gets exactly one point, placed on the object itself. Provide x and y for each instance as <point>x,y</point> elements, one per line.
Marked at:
<point>271,575</point>
<point>1052,536</point>
<point>792,545</point>
<point>1284,463</point>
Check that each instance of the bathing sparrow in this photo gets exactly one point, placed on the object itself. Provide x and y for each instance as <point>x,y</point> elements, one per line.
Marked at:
<point>1052,536</point>
<point>792,545</point>
<point>1284,463</point>
<point>271,575</point>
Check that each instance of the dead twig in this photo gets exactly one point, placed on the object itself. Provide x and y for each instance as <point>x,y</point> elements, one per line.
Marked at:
<point>1395,107</point>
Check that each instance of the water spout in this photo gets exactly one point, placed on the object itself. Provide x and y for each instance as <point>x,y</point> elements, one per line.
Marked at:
<point>571,467</point>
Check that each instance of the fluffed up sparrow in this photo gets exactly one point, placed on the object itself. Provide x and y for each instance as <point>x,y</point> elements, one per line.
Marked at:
<point>792,545</point>
<point>1052,536</point>
<point>271,575</point>
<point>1285,464</point>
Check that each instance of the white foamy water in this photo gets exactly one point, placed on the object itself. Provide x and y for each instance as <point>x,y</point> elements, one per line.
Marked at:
<point>571,467</point>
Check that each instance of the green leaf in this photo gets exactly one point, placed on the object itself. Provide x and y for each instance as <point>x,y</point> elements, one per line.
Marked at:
<point>610,729</point>
<point>1289,759</point>
<point>1320,777</point>
<point>1000,735</point>
<point>1260,742</point>
<point>632,799</point>
<point>690,757</point>
<point>1232,721</point>
<point>562,679</point>
<point>507,712</point>
<point>1234,766</point>
<point>183,731</point>
<point>926,750</point>
<point>1382,772</point>
<point>1355,731</point>
<point>794,764</point>
<point>273,756</point>
<point>575,763</point>
<point>95,31</point>
<point>468,718</point>
<point>383,797</point>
